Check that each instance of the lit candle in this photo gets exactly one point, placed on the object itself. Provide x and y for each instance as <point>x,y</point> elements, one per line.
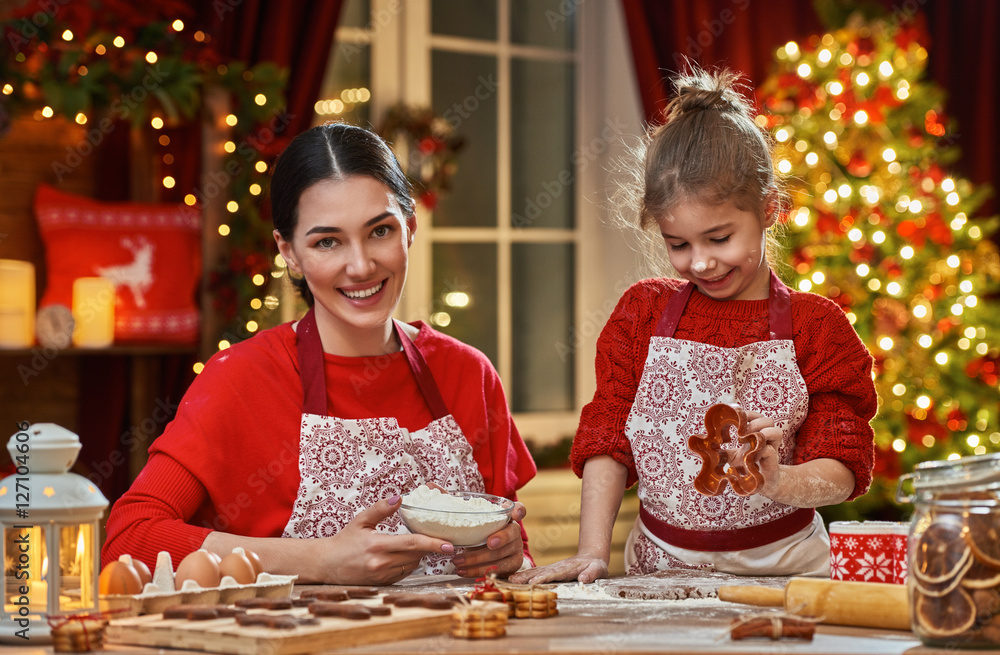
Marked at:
<point>17,304</point>
<point>38,589</point>
<point>93,312</point>
<point>83,561</point>
<point>38,593</point>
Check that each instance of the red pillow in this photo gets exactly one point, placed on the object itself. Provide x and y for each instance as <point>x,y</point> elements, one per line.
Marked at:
<point>152,254</point>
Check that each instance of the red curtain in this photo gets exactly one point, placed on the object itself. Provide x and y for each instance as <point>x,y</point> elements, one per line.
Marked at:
<point>296,35</point>
<point>739,34</point>
<point>964,57</point>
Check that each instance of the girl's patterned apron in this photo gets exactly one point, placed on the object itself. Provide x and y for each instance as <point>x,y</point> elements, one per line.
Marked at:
<point>679,527</point>
<point>346,466</point>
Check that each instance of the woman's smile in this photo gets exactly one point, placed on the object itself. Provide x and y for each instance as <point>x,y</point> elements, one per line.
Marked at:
<point>363,293</point>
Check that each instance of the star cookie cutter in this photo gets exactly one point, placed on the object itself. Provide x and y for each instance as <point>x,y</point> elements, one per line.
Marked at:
<point>720,465</point>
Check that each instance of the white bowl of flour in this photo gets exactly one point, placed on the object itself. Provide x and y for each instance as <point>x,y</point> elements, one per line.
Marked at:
<point>464,518</point>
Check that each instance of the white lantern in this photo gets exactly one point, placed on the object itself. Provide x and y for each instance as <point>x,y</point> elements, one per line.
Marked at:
<point>50,521</point>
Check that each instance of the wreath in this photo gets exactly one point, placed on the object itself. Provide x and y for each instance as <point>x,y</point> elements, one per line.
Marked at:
<point>427,147</point>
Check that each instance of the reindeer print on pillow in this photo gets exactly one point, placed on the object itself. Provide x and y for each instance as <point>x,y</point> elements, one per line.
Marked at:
<point>137,275</point>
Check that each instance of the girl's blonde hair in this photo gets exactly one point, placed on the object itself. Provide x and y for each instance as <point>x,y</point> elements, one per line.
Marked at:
<point>709,150</point>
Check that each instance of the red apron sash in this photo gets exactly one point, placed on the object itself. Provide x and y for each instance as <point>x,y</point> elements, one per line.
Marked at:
<point>779,310</point>
<point>311,369</point>
<point>728,540</point>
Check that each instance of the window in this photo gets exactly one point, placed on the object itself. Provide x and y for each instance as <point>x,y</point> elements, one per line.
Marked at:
<point>505,237</point>
<point>514,259</point>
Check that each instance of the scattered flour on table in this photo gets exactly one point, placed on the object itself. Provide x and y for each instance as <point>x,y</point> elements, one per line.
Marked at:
<point>581,591</point>
<point>597,601</point>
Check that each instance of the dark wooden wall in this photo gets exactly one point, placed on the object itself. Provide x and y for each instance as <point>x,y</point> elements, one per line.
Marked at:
<point>38,386</point>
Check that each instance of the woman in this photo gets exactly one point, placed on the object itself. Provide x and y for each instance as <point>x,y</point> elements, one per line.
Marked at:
<point>313,430</point>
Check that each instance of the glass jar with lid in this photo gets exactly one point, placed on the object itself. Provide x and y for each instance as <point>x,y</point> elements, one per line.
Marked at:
<point>954,551</point>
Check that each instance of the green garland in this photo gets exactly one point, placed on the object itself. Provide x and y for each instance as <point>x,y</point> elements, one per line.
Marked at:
<point>107,58</point>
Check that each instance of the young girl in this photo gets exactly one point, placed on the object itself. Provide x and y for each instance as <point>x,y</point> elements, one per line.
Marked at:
<point>298,443</point>
<point>728,332</point>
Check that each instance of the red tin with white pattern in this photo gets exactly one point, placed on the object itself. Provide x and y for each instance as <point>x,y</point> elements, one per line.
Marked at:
<point>868,551</point>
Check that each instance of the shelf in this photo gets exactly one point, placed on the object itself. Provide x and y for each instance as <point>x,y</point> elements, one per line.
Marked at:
<point>117,349</point>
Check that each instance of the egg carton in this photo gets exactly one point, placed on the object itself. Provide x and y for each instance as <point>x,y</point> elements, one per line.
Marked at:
<point>162,592</point>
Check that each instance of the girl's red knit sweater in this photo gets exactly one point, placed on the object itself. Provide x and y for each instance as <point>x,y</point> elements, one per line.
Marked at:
<point>836,366</point>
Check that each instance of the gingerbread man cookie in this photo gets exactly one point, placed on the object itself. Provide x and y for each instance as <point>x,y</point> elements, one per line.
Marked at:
<point>720,465</point>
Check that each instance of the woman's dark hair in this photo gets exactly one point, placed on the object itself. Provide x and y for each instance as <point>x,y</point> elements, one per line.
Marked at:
<point>335,151</point>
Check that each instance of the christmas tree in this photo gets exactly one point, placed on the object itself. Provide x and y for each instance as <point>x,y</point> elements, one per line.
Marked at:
<point>881,226</point>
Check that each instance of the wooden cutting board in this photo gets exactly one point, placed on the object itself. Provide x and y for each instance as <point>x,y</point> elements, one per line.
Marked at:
<point>225,636</point>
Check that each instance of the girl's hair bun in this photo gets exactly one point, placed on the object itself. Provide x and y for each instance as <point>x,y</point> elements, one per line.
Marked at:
<point>699,90</point>
<point>692,99</point>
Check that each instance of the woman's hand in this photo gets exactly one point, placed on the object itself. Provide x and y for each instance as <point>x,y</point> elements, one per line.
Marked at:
<point>502,554</point>
<point>360,555</point>
<point>579,567</point>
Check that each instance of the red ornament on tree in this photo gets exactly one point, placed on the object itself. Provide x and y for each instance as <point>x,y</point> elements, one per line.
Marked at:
<point>859,166</point>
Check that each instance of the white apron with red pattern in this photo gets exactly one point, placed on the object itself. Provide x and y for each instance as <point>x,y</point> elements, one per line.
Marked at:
<point>679,527</point>
<point>346,466</point>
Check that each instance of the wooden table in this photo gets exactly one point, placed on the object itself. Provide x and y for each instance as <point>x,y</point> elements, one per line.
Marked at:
<point>590,621</point>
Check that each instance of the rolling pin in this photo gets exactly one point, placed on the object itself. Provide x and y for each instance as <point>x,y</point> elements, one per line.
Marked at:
<point>862,604</point>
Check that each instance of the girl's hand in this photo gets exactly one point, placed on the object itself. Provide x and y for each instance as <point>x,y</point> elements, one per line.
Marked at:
<point>502,554</point>
<point>767,459</point>
<point>360,555</point>
<point>579,567</point>
<point>815,483</point>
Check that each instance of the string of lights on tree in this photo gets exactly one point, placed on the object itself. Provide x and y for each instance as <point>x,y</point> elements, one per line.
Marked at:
<point>109,59</point>
<point>881,226</point>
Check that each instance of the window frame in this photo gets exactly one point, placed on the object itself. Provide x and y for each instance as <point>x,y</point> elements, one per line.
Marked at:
<point>401,48</point>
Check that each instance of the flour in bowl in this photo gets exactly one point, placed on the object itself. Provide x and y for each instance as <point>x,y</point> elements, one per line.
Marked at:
<point>464,520</point>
